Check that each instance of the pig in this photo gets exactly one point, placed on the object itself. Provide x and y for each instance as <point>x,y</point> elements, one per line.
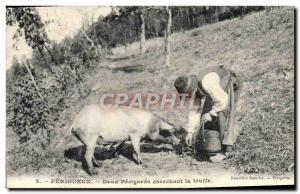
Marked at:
<point>96,125</point>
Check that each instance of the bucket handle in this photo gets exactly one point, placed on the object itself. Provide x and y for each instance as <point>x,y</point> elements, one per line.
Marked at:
<point>202,130</point>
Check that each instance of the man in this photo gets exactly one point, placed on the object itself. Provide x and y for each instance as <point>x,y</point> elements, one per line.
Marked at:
<point>219,89</point>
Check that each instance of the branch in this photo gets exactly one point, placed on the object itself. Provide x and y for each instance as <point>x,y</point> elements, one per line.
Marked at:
<point>32,79</point>
<point>50,53</point>
<point>89,39</point>
<point>48,66</point>
<point>74,74</point>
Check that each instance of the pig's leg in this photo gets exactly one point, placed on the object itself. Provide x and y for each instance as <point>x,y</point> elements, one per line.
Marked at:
<point>89,154</point>
<point>118,149</point>
<point>89,141</point>
<point>135,140</point>
<point>96,162</point>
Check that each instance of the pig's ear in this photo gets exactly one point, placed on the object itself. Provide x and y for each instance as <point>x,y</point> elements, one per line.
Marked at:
<point>154,125</point>
<point>173,130</point>
<point>168,126</point>
<point>158,124</point>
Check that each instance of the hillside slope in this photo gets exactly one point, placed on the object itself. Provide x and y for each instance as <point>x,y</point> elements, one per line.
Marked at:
<point>259,47</point>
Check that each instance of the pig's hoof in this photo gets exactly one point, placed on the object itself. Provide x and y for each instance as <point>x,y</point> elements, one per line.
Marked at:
<point>93,172</point>
<point>140,161</point>
<point>137,159</point>
<point>96,163</point>
<point>116,154</point>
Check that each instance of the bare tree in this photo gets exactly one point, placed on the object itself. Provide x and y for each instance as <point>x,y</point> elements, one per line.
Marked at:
<point>90,41</point>
<point>33,81</point>
<point>142,42</point>
<point>168,36</point>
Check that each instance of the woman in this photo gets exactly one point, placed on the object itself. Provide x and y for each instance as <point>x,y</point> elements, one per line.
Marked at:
<point>221,88</point>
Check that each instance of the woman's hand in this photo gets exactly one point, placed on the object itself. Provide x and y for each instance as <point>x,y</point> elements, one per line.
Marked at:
<point>206,117</point>
<point>188,139</point>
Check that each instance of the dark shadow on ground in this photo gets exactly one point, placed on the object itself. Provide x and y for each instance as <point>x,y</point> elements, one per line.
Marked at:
<point>129,69</point>
<point>77,153</point>
<point>114,59</point>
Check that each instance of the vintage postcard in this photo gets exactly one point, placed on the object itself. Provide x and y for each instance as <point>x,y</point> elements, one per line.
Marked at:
<point>150,97</point>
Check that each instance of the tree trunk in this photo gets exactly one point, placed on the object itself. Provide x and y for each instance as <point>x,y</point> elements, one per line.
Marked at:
<point>216,15</point>
<point>99,48</point>
<point>183,26</point>
<point>125,41</point>
<point>192,17</point>
<point>32,79</point>
<point>48,66</point>
<point>73,73</point>
<point>90,40</point>
<point>189,26</point>
<point>142,43</point>
<point>168,36</point>
<point>50,53</point>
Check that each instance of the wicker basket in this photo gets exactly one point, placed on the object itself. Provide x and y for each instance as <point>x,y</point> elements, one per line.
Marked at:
<point>209,141</point>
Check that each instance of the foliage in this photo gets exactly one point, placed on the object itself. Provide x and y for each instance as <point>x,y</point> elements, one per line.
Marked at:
<point>121,27</point>
<point>31,118</point>
<point>28,19</point>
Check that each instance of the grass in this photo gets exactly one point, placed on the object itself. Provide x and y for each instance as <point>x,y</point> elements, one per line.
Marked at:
<point>259,47</point>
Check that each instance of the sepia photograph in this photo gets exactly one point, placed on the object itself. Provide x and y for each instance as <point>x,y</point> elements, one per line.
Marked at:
<point>147,97</point>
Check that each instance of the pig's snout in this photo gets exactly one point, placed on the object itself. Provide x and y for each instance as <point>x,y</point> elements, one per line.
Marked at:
<point>173,140</point>
<point>165,136</point>
<point>176,141</point>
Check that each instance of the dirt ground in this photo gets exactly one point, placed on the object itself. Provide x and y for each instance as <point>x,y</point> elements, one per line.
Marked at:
<point>159,161</point>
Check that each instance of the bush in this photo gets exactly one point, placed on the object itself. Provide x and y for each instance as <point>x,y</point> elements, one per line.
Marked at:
<point>31,118</point>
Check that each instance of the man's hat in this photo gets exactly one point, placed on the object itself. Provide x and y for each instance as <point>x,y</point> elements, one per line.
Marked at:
<point>184,84</point>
